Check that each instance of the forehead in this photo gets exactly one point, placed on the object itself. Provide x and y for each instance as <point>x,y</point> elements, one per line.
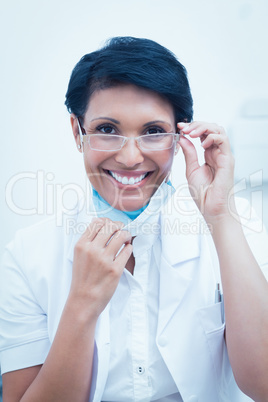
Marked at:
<point>129,100</point>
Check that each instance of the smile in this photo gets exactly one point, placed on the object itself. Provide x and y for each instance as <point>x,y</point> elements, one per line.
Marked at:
<point>128,180</point>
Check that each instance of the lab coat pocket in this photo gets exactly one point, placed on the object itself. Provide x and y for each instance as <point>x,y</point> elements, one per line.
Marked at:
<point>212,318</point>
<point>213,326</point>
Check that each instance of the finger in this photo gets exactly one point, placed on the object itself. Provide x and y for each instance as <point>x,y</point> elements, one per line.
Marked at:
<point>186,127</point>
<point>206,129</point>
<point>92,229</point>
<point>123,256</point>
<point>104,235</point>
<point>197,129</point>
<point>95,226</point>
<point>190,155</point>
<point>120,238</point>
<point>217,140</point>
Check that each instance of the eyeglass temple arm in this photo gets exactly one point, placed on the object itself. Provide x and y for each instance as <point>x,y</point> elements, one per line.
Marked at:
<point>80,132</point>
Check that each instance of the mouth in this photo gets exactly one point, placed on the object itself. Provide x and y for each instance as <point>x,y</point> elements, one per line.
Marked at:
<point>129,178</point>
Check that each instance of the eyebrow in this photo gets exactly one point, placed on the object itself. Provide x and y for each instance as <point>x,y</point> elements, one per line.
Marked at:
<point>155,122</point>
<point>107,118</point>
<point>118,122</point>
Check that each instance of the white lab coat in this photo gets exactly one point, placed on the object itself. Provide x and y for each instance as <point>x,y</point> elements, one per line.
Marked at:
<point>190,333</point>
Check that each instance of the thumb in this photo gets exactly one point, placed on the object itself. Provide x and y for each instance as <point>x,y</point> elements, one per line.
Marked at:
<point>190,155</point>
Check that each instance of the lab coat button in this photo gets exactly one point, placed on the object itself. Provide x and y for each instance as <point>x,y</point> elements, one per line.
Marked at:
<point>162,341</point>
<point>193,398</point>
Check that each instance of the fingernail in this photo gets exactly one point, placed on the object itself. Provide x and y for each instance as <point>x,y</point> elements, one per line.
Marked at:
<point>183,124</point>
<point>187,128</point>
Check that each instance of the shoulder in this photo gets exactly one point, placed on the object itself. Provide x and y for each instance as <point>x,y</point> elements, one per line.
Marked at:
<point>48,239</point>
<point>38,239</point>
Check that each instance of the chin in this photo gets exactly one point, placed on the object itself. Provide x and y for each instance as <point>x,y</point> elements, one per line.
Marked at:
<point>130,205</point>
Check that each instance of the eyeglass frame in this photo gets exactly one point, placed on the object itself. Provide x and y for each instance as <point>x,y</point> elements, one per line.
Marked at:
<point>82,135</point>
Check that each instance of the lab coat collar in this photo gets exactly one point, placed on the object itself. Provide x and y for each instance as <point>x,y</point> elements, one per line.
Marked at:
<point>181,225</point>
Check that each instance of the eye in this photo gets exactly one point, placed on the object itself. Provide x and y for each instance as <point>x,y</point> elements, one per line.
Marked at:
<point>106,129</point>
<point>155,130</point>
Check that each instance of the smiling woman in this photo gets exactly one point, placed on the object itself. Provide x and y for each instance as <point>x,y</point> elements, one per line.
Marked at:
<point>127,310</point>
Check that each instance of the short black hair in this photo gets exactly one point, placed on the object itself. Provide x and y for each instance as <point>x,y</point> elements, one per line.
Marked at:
<point>136,61</point>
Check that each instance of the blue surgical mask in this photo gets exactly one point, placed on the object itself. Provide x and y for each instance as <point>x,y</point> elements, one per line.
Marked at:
<point>134,220</point>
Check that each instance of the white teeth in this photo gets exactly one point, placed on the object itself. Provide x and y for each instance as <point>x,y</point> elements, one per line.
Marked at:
<point>125,180</point>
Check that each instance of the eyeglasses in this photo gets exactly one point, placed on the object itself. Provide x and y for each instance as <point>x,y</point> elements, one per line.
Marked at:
<point>114,142</point>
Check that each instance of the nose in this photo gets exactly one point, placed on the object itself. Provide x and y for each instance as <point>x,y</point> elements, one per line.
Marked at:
<point>130,155</point>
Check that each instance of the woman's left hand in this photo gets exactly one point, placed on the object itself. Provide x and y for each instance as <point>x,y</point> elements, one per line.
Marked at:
<point>211,183</point>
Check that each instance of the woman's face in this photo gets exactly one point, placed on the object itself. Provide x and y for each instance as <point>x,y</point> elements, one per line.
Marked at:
<point>132,112</point>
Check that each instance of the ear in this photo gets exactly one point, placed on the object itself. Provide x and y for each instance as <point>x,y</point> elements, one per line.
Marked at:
<point>74,124</point>
<point>177,147</point>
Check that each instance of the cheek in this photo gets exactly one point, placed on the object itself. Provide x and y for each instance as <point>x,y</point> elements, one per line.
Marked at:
<point>164,160</point>
<point>89,166</point>
<point>92,160</point>
<point>92,163</point>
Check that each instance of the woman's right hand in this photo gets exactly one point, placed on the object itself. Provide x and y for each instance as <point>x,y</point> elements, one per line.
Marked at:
<point>96,267</point>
